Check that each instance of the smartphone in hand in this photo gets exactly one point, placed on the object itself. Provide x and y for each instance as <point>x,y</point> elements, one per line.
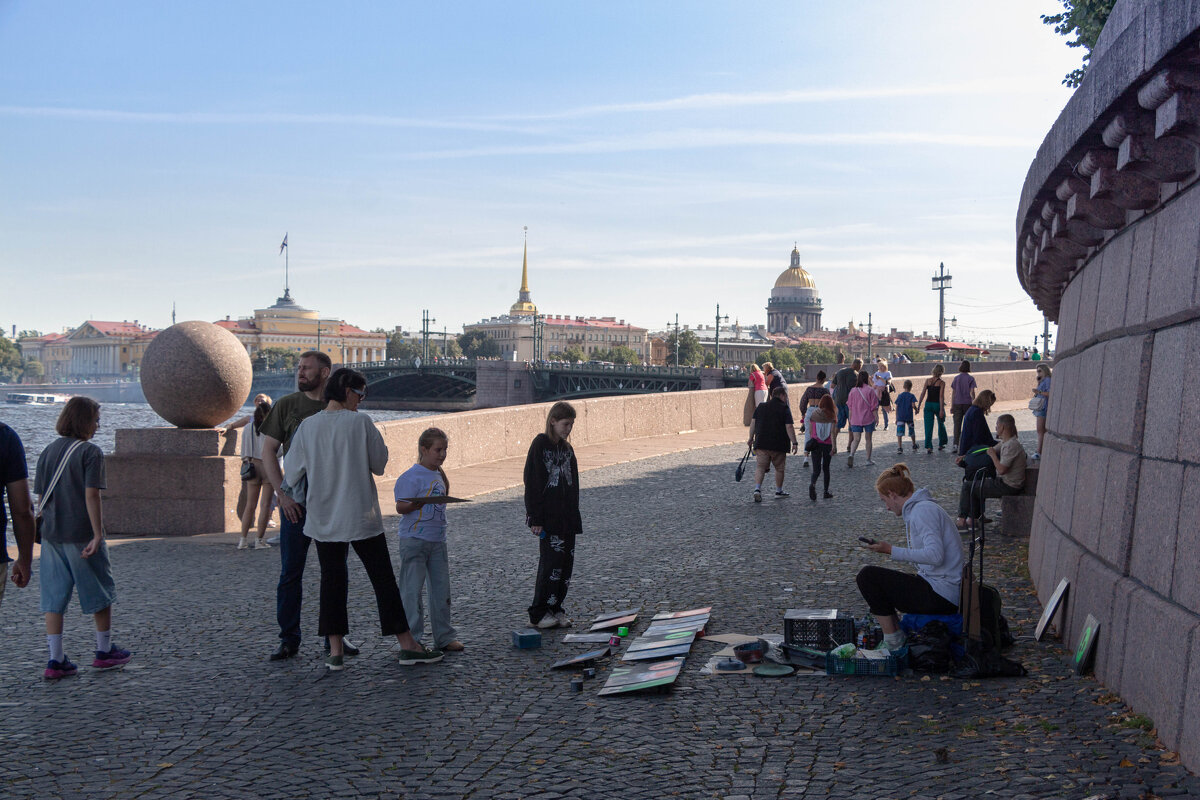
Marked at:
<point>865,540</point>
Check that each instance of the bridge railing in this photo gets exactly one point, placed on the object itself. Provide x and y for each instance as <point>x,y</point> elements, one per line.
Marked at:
<point>566,366</point>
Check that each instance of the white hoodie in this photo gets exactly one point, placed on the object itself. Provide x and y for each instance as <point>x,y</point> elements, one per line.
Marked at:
<point>934,545</point>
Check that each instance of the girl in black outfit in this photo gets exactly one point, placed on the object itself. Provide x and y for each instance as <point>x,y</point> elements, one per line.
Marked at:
<point>552,513</point>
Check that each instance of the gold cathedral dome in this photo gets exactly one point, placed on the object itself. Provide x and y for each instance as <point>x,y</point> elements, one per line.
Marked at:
<point>795,276</point>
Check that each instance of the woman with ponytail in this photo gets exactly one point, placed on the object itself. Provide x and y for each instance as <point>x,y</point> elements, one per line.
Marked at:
<point>933,545</point>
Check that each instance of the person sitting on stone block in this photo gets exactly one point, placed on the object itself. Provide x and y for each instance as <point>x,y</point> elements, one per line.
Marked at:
<point>1009,459</point>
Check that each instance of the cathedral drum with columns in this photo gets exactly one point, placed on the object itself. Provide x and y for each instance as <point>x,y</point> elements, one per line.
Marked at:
<point>795,305</point>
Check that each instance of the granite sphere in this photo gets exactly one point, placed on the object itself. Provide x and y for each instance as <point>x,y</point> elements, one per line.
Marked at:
<point>196,374</point>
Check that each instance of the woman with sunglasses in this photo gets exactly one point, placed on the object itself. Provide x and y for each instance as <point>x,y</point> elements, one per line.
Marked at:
<point>331,463</point>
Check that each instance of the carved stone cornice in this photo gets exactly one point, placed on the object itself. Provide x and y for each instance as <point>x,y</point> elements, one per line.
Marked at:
<point>1125,160</point>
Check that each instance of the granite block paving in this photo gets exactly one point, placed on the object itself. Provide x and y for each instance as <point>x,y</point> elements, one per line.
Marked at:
<point>201,713</point>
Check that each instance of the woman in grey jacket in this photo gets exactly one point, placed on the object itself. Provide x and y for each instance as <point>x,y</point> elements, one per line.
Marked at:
<point>329,468</point>
<point>934,546</point>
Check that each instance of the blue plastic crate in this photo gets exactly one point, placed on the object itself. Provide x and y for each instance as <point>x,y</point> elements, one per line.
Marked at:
<point>865,667</point>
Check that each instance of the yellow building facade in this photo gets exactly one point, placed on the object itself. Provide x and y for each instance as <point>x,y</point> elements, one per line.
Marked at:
<point>289,326</point>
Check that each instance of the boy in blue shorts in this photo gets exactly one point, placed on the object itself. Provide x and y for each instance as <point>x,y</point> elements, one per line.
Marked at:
<point>904,417</point>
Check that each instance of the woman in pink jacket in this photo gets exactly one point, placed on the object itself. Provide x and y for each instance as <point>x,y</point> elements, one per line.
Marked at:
<point>863,404</point>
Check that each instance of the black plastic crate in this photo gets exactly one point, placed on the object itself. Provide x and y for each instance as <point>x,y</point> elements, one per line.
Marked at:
<point>820,634</point>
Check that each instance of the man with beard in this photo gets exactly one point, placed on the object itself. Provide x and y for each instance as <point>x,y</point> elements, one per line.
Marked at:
<point>277,430</point>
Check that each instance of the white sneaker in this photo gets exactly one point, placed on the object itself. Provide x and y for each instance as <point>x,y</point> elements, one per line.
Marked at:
<point>242,543</point>
<point>563,620</point>
<point>870,463</point>
<point>261,544</point>
<point>548,621</point>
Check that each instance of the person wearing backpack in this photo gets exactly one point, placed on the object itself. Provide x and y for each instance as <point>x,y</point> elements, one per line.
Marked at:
<point>933,545</point>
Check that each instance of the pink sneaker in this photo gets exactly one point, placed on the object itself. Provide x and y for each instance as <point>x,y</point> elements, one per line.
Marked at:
<point>115,657</point>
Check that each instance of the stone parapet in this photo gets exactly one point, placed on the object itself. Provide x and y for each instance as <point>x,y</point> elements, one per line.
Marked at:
<point>1108,245</point>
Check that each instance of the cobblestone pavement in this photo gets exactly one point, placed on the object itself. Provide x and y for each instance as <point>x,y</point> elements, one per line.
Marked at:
<point>200,712</point>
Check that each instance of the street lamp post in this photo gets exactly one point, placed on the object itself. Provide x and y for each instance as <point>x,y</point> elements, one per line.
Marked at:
<point>717,341</point>
<point>425,321</point>
<point>941,282</point>
<point>676,339</point>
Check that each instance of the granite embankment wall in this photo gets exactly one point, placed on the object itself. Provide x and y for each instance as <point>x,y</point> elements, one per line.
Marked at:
<point>165,481</point>
<point>1109,247</point>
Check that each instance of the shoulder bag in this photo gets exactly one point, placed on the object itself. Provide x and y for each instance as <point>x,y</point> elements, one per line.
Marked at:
<point>44,496</point>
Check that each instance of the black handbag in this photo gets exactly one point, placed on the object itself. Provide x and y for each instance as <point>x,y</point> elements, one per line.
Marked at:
<point>249,473</point>
<point>741,467</point>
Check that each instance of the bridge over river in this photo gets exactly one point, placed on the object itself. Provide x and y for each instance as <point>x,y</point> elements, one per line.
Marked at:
<point>460,384</point>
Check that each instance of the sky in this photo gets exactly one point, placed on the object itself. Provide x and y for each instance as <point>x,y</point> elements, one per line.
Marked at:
<point>665,156</point>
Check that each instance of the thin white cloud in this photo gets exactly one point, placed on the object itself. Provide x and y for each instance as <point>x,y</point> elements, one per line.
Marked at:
<point>693,138</point>
<point>718,100</point>
<point>255,118</point>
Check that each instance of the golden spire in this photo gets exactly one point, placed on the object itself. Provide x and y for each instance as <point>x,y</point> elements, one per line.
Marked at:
<point>524,307</point>
<point>525,263</point>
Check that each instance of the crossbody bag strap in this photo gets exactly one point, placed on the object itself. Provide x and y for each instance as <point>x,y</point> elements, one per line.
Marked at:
<point>62,465</point>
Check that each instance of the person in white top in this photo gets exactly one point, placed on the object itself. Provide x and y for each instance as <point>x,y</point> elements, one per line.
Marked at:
<point>329,468</point>
<point>251,451</point>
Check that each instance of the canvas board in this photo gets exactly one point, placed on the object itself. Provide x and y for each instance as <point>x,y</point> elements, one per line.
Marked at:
<point>695,612</point>
<point>582,659</point>
<point>622,613</point>
<point>658,652</point>
<point>1051,609</point>
<point>614,622</point>
<point>635,677</point>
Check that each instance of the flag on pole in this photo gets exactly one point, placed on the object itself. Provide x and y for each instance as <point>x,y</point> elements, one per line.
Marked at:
<point>283,246</point>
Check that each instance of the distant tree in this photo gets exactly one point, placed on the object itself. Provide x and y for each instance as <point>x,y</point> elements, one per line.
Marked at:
<point>398,348</point>
<point>28,333</point>
<point>574,353</point>
<point>691,352</point>
<point>781,357</point>
<point>809,353</point>
<point>1084,19</point>
<point>477,344</point>
<point>34,371</point>
<point>710,359</point>
<point>275,358</point>
<point>10,361</point>
<point>451,345</point>
<point>914,355</point>
<point>623,355</point>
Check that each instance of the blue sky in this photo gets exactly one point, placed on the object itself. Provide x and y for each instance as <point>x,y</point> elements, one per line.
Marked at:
<point>665,157</point>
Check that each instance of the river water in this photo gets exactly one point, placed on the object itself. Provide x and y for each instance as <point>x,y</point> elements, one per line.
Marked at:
<point>35,424</point>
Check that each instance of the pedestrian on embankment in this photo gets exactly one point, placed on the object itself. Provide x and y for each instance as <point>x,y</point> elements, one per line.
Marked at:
<point>1042,390</point>
<point>70,476</point>
<point>277,430</point>
<point>906,401</point>
<point>844,380</point>
<point>820,441</point>
<point>811,397</point>
<point>14,481</point>
<point>758,385</point>
<point>863,404</point>
<point>976,435</point>
<point>252,484</point>
<point>772,436</point>
<point>932,402</point>
<point>423,556</point>
<point>962,394</point>
<point>552,514</point>
<point>333,457</point>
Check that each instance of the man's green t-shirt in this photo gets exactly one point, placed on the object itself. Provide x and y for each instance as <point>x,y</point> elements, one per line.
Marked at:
<point>286,416</point>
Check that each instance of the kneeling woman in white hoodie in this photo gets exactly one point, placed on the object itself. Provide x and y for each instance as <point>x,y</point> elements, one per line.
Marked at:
<point>934,545</point>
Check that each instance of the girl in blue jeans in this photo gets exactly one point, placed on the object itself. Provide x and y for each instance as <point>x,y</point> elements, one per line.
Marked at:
<point>423,541</point>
